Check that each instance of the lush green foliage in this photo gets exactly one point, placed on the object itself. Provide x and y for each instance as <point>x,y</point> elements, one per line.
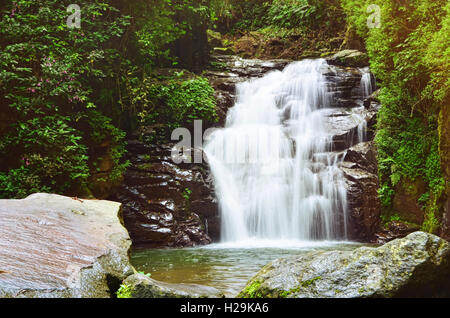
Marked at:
<point>281,15</point>
<point>124,291</point>
<point>175,101</point>
<point>47,73</point>
<point>410,56</point>
<point>64,92</point>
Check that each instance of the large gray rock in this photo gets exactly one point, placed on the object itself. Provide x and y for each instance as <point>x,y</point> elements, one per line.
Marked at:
<point>55,246</point>
<point>141,286</point>
<point>415,266</point>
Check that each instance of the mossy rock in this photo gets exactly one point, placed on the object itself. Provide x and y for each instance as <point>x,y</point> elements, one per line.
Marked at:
<point>415,266</point>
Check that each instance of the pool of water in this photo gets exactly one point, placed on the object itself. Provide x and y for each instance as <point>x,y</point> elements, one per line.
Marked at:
<point>227,267</point>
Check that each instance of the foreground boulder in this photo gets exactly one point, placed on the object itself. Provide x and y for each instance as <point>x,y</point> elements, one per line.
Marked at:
<point>415,266</point>
<point>141,286</point>
<point>360,170</point>
<point>55,246</point>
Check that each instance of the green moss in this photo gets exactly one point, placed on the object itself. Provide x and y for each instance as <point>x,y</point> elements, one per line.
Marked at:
<point>310,282</point>
<point>124,291</point>
<point>145,274</point>
<point>303,284</point>
<point>431,223</point>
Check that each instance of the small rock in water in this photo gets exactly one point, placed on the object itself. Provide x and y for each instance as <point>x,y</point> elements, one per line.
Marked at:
<point>55,246</point>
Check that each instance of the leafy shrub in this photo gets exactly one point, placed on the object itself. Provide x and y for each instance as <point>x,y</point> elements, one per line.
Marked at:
<point>409,56</point>
<point>293,13</point>
<point>175,101</point>
<point>124,291</point>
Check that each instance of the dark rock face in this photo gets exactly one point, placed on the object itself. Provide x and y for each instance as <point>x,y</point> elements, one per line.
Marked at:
<point>142,286</point>
<point>364,209</point>
<point>58,247</point>
<point>167,204</point>
<point>415,266</point>
<point>394,230</point>
<point>355,142</point>
<point>360,167</point>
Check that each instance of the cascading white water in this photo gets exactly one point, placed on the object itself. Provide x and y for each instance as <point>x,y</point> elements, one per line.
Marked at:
<point>366,83</point>
<point>276,178</point>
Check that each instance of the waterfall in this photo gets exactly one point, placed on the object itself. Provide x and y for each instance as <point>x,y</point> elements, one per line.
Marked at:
<point>366,83</point>
<point>276,177</point>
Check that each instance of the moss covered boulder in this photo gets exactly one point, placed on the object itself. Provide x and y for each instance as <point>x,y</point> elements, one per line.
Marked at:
<point>350,58</point>
<point>53,246</point>
<point>142,286</point>
<point>415,266</point>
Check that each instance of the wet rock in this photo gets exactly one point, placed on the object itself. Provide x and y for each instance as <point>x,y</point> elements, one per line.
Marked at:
<point>350,126</point>
<point>55,246</point>
<point>344,84</point>
<point>141,286</point>
<point>167,204</point>
<point>373,98</point>
<point>415,266</point>
<point>444,154</point>
<point>352,58</point>
<point>394,230</point>
<point>361,177</point>
<point>364,155</point>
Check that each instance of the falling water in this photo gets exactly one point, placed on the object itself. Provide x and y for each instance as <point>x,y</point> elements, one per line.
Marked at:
<point>366,83</point>
<point>276,177</point>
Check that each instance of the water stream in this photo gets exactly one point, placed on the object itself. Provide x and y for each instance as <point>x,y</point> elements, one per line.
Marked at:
<point>276,175</point>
